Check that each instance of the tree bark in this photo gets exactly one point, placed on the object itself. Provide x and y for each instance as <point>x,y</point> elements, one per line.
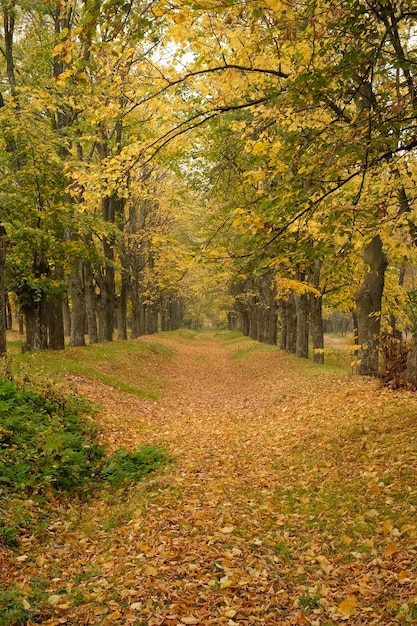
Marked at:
<point>316,316</point>
<point>122,304</point>
<point>35,319</point>
<point>291,320</point>
<point>301,303</point>
<point>368,308</point>
<point>3,325</point>
<point>77,309</point>
<point>317,333</point>
<point>56,323</point>
<point>410,374</point>
<point>90,303</point>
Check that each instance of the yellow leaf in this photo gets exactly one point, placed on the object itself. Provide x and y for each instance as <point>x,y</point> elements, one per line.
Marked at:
<point>143,547</point>
<point>391,549</point>
<point>225,582</point>
<point>347,607</point>
<point>347,540</point>
<point>189,620</point>
<point>227,529</point>
<point>150,570</point>
<point>40,560</point>
<point>230,613</point>
<point>179,18</point>
<point>387,527</point>
<point>275,4</point>
<point>403,577</point>
<point>157,11</point>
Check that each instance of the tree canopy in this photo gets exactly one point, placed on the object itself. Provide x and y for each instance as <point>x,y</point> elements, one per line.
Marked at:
<point>272,143</point>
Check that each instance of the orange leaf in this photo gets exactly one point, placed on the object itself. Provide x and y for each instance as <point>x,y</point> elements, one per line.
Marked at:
<point>390,550</point>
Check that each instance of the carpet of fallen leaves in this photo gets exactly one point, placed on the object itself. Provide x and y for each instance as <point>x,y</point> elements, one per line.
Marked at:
<point>292,500</point>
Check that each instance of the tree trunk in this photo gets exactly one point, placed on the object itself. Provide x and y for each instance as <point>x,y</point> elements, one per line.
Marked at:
<point>355,327</point>
<point>316,316</point>
<point>410,374</point>
<point>136,305</point>
<point>105,281</point>
<point>317,333</point>
<point>77,309</point>
<point>3,342</point>
<point>283,313</point>
<point>66,317</point>
<point>90,303</point>
<point>56,323</point>
<point>36,329</point>
<point>122,305</point>
<point>302,302</point>
<point>291,319</point>
<point>368,308</point>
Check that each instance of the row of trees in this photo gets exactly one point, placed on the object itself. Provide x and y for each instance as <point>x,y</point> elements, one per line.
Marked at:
<point>76,228</point>
<point>274,140</point>
<point>318,135</point>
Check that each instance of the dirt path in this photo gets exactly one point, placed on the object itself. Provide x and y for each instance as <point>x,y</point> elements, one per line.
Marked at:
<point>241,529</point>
<point>225,417</point>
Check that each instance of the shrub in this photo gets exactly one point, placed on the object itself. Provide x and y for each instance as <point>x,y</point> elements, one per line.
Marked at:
<point>47,446</point>
<point>12,609</point>
<point>43,446</point>
<point>123,466</point>
<point>394,354</point>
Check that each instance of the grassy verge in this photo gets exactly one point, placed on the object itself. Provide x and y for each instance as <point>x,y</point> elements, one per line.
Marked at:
<point>105,362</point>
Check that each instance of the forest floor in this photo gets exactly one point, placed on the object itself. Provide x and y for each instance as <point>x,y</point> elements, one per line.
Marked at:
<point>292,498</point>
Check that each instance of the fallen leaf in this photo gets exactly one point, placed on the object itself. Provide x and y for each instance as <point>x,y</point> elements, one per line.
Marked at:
<point>403,577</point>
<point>390,550</point>
<point>347,607</point>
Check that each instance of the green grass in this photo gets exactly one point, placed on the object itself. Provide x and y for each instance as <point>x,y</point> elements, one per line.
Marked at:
<point>110,363</point>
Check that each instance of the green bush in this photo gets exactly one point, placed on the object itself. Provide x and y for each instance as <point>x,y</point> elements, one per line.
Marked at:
<point>46,445</point>
<point>12,610</point>
<point>43,446</point>
<point>123,466</point>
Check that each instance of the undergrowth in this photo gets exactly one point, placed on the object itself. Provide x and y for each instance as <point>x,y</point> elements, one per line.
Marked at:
<point>48,448</point>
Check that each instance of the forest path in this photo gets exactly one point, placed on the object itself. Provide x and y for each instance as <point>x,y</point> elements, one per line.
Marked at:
<point>228,410</point>
<point>265,517</point>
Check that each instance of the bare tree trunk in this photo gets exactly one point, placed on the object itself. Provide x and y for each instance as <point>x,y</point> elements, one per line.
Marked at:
<point>301,303</point>
<point>368,307</point>
<point>56,323</point>
<point>316,316</point>
<point>90,303</point>
<point>3,342</point>
<point>291,319</point>
<point>77,309</point>
<point>122,304</point>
